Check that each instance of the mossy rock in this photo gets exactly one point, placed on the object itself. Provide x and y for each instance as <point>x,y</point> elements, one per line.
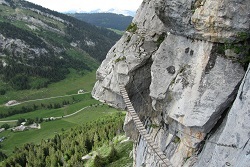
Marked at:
<point>132,28</point>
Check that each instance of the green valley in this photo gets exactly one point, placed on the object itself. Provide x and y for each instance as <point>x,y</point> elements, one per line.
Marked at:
<point>92,111</point>
<point>39,46</point>
<point>47,71</point>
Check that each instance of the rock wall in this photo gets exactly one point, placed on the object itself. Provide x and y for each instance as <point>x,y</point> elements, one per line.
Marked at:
<point>182,63</point>
<point>229,145</point>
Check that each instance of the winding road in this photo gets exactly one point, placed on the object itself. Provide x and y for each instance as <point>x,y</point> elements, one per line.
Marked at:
<point>45,99</point>
<point>65,116</point>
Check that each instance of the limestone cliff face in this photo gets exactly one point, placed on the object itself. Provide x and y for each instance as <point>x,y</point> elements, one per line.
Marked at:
<point>181,62</point>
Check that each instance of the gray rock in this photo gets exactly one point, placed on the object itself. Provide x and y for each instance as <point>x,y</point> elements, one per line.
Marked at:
<point>126,57</point>
<point>193,96</point>
<point>19,47</point>
<point>178,79</point>
<point>230,145</point>
<point>211,20</point>
<point>86,157</point>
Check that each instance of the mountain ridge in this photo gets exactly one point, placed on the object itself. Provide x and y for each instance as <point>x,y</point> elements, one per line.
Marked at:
<point>38,46</point>
<point>106,20</point>
<point>112,10</point>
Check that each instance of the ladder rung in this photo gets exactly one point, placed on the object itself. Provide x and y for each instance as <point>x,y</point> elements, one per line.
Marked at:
<point>136,119</point>
<point>160,155</point>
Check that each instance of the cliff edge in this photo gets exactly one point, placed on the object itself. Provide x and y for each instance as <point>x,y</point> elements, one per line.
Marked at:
<point>184,66</point>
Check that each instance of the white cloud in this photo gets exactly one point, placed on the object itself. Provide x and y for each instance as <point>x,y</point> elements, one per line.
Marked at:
<point>88,5</point>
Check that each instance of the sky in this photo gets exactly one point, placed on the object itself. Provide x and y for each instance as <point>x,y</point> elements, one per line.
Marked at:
<point>89,5</point>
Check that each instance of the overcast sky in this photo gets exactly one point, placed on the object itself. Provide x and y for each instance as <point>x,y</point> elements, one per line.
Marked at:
<point>88,5</point>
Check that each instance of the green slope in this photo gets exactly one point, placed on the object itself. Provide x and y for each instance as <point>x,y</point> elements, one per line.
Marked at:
<point>39,46</point>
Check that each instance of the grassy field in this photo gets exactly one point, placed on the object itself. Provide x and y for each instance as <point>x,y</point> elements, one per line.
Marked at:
<point>49,129</point>
<point>12,124</point>
<point>70,85</point>
<point>80,101</point>
<point>117,31</point>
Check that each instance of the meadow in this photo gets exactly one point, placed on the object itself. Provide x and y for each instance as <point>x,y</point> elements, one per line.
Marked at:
<point>68,86</point>
<point>50,128</point>
<point>76,102</point>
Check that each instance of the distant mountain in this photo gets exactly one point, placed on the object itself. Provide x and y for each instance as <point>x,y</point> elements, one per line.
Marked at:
<point>112,10</point>
<point>123,12</point>
<point>39,46</point>
<point>107,20</point>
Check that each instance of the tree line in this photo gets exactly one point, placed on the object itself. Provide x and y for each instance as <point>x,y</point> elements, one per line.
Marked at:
<point>45,69</point>
<point>67,149</point>
<point>26,109</point>
<point>11,31</point>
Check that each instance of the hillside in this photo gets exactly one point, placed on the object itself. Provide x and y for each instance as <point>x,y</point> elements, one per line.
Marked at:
<point>106,20</point>
<point>39,46</point>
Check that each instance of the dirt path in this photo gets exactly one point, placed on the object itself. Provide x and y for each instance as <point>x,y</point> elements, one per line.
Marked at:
<point>69,115</point>
<point>65,116</point>
<point>8,121</point>
<point>45,99</point>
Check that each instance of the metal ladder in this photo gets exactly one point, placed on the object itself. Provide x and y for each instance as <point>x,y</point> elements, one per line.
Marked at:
<point>139,126</point>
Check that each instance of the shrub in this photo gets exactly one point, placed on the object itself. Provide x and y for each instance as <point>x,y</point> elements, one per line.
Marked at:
<point>177,140</point>
<point>2,156</point>
<point>5,126</point>
<point>113,155</point>
<point>160,39</point>
<point>132,28</point>
<point>2,91</point>
<point>99,161</point>
<point>120,59</point>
